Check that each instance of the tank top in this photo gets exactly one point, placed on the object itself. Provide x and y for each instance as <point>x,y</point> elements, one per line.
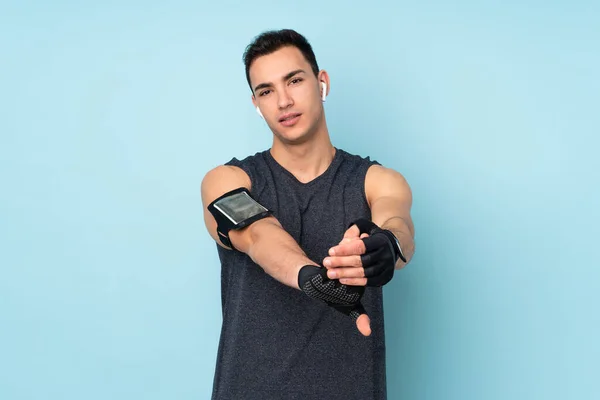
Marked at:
<point>275,341</point>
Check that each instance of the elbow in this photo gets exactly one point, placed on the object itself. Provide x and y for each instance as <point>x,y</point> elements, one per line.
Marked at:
<point>248,239</point>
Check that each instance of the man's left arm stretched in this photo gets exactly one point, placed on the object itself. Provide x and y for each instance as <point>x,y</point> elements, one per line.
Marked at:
<point>386,242</point>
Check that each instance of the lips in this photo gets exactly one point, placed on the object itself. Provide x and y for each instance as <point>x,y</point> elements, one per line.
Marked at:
<point>288,116</point>
<point>289,119</point>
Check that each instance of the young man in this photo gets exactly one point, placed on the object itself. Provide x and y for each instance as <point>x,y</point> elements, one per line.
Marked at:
<point>307,236</point>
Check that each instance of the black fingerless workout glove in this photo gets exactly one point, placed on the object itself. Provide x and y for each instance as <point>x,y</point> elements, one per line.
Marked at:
<point>314,282</point>
<point>382,252</point>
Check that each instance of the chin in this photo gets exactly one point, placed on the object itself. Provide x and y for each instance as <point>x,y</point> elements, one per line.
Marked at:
<point>298,138</point>
<point>295,135</point>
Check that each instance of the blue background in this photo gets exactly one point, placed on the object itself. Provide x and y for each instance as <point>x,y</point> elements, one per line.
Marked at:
<point>111,113</point>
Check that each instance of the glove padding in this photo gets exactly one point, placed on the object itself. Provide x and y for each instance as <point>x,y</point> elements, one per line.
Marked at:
<point>313,281</point>
<point>379,260</point>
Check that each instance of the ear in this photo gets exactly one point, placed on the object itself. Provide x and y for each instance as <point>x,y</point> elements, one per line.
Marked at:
<point>255,104</point>
<point>324,85</point>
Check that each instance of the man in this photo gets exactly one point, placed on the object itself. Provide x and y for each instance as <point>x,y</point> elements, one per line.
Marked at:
<point>307,235</point>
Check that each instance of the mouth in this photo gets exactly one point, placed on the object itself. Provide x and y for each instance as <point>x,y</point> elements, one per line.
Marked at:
<point>289,119</point>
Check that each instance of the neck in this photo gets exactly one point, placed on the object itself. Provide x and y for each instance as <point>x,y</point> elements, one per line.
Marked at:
<point>305,161</point>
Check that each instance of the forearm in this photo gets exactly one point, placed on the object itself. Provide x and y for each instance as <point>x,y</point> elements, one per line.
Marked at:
<point>273,249</point>
<point>405,235</point>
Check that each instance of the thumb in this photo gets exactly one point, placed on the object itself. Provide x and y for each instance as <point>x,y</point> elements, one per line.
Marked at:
<point>348,239</point>
<point>352,232</point>
<point>363,323</point>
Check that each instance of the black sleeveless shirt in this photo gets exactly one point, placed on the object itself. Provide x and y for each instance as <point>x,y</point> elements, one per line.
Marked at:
<point>276,342</point>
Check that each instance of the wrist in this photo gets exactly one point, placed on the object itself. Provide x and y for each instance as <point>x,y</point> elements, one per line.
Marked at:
<point>399,254</point>
<point>299,273</point>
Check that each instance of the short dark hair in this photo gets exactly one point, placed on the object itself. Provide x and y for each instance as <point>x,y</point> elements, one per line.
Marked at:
<point>270,41</point>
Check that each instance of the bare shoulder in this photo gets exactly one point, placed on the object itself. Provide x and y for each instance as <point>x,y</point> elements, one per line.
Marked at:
<point>221,179</point>
<point>382,181</point>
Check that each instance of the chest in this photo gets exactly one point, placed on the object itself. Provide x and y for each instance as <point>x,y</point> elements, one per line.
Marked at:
<point>316,216</point>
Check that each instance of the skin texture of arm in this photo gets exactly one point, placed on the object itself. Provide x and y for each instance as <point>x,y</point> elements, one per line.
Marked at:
<point>390,199</point>
<point>265,241</point>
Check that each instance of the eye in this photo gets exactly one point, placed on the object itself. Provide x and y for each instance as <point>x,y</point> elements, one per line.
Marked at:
<point>264,93</point>
<point>296,80</point>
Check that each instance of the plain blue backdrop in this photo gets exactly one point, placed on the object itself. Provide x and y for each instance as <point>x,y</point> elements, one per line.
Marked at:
<point>111,113</point>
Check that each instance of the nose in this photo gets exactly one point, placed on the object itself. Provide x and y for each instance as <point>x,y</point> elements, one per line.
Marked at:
<point>284,99</point>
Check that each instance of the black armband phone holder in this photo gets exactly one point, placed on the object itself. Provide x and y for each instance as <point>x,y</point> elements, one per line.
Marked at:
<point>236,209</point>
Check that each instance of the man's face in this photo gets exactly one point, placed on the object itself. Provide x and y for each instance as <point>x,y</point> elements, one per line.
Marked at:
<point>288,94</point>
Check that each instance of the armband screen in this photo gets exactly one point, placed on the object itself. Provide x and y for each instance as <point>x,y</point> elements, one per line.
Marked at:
<point>236,209</point>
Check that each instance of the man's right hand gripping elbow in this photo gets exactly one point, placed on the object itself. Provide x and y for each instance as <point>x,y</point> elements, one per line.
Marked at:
<point>271,247</point>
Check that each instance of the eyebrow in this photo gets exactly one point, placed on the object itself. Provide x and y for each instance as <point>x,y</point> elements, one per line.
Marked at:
<point>285,78</point>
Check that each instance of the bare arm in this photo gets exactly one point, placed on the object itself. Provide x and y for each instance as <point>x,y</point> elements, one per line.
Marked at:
<point>265,241</point>
<point>390,199</point>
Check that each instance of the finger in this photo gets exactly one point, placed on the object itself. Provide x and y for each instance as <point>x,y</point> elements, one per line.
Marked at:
<point>375,259</point>
<point>340,273</point>
<point>364,235</point>
<point>374,242</point>
<point>363,323</point>
<point>354,281</point>
<point>354,247</point>
<point>376,268</point>
<point>342,261</point>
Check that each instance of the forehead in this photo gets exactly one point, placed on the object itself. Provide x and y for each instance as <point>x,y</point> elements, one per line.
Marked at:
<point>274,66</point>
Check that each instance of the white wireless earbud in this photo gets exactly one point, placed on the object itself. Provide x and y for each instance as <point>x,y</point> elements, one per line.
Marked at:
<point>259,113</point>
<point>324,94</point>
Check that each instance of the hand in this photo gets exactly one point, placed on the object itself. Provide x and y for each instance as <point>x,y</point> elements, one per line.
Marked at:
<point>313,281</point>
<point>363,322</point>
<point>369,261</point>
<point>351,234</point>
